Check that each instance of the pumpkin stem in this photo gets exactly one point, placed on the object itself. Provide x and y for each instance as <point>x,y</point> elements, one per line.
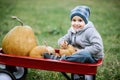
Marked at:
<point>45,43</point>
<point>18,19</point>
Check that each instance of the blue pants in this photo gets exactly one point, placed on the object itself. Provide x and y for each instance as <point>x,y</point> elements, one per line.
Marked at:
<point>83,57</point>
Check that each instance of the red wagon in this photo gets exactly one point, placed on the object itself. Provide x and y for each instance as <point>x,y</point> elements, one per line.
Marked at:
<point>21,62</point>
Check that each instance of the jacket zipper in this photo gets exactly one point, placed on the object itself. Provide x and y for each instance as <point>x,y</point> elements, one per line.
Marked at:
<point>75,39</point>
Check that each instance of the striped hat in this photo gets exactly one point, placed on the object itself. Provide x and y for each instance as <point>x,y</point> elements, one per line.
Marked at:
<point>82,11</point>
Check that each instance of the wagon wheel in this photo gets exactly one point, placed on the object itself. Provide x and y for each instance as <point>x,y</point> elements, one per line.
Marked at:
<point>83,77</point>
<point>19,72</point>
<point>6,75</point>
<point>77,77</point>
<point>90,77</point>
<point>2,66</point>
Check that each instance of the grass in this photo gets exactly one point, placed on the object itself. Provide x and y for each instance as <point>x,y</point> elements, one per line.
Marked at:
<point>50,21</point>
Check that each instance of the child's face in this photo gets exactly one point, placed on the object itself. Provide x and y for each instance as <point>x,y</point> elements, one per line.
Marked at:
<point>77,23</point>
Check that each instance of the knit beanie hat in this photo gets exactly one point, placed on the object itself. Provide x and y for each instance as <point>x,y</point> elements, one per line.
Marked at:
<point>82,11</point>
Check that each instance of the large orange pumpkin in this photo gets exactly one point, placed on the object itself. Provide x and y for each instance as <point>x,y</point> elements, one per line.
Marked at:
<point>19,40</point>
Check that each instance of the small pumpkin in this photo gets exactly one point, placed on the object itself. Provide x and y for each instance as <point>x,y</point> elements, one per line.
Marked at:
<point>65,52</point>
<point>38,51</point>
<point>71,49</point>
<point>50,49</point>
<point>19,40</point>
<point>64,45</point>
<point>67,49</point>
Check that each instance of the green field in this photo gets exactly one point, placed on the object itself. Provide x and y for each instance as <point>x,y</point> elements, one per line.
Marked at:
<point>50,20</point>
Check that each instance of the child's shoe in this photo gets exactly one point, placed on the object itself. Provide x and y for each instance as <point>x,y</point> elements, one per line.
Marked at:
<point>50,56</point>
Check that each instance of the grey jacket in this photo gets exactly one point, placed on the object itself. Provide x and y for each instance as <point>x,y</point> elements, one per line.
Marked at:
<point>86,39</point>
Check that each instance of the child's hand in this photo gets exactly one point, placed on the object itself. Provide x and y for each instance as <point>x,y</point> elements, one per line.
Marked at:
<point>64,45</point>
